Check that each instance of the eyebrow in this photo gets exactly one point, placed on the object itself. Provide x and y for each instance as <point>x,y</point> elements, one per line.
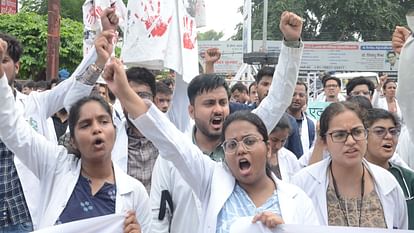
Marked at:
<point>100,117</point>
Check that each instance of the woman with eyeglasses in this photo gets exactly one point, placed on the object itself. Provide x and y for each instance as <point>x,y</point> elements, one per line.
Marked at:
<point>383,131</point>
<point>346,189</point>
<point>242,186</point>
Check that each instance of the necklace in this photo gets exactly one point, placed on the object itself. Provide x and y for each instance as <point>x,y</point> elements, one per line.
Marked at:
<point>342,205</point>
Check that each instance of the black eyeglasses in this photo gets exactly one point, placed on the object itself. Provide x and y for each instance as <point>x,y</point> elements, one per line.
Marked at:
<point>230,146</point>
<point>381,131</point>
<point>361,93</point>
<point>340,136</point>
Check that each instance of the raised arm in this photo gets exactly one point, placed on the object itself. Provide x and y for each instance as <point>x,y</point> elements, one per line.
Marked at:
<point>405,91</point>
<point>34,150</point>
<point>172,144</point>
<point>274,105</point>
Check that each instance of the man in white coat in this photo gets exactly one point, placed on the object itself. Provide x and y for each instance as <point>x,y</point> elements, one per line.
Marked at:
<point>180,209</point>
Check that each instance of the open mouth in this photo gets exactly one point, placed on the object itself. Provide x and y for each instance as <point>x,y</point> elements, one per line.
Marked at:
<point>217,121</point>
<point>388,147</point>
<point>98,143</point>
<point>244,166</point>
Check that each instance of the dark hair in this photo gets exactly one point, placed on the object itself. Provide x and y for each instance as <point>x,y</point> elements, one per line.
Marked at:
<point>168,81</point>
<point>111,95</point>
<point>359,81</point>
<point>205,83</point>
<point>18,86</point>
<point>386,83</point>
<point>264,71</point>
<point>299,82</point>
<point>239,87</point>
<point>376,114</point>
<point>29,84</point>
<point>336,108</point>
<point>74,113</point>
<point>141,75</point>
<point>248,116</point>
<point>14,47</point>
<point>328,77</point>
<point>362,101</point>
<point>162,88</point>
<point>42,84</point>
<point>251,85</point>
<point>391,52</point>
<point>283,123</point>
<point>252,118</point>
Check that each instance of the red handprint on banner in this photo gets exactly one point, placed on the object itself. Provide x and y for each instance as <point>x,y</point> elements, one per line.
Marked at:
<point>154,23</point>
<point>93,13</point>
<point>188,40</point>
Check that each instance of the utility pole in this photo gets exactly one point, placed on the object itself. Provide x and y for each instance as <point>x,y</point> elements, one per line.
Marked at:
<point>265,10</point>
<point>53,39</point>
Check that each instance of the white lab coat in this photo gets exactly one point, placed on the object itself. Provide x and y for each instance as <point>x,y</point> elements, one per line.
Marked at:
<point>165,175</point>
<point>37,108</point>
<point>405,95</point>
<point>314,181</point>
<point>213,182</point>
<point>59,171</point>
<point>379,101</point>
<point>288,164</point>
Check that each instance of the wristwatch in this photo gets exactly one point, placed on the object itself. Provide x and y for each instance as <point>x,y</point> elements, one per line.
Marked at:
<point>95,68</point>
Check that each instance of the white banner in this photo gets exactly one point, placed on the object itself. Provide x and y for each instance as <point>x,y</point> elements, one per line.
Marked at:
<point>200,13</point>
<point>92,10</point>
<point>244,225</point>
<point>113,223</point>
<point>247,26</point>
<point>161,34</point>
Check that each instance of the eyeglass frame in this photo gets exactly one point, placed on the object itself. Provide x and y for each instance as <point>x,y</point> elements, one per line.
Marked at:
<point>347,134</point>
<point>246,147</point>
<point>331,86</point>
<point>386,131</point>
<point>360,93</point>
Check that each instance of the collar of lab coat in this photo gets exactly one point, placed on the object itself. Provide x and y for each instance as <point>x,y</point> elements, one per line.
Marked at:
<point>375,171</point>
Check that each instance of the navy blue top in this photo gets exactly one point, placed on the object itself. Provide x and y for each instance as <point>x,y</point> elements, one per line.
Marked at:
<point>82,204</point>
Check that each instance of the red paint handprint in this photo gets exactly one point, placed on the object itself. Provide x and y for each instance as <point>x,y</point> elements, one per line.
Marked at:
<point>188,40</point>
<point>153,21</point>
<point>94,13</point>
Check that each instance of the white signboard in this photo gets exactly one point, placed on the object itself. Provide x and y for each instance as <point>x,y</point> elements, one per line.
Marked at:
<point>317,56</point>
<point>231,55</point>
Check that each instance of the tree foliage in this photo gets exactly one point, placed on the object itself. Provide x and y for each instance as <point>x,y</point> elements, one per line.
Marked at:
<point>210,35</point>
<point>334,20</point>
<point>71,9</point>
<point>31,30</point>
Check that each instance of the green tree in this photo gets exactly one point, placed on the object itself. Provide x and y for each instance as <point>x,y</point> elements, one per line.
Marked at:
<point>334,20</point>
<point>210,35</point>
<point>71,9</point>
<point>275,9</point>
<point>31,30</point>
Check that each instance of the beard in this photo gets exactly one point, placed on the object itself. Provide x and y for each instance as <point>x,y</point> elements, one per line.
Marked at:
<point>203,128</point>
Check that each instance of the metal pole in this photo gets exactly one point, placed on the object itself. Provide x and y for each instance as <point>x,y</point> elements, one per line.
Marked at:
<point>53,39</point>
<point>265,9</point>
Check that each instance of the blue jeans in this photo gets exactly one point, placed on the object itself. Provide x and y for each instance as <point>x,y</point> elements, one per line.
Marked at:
<point>18,228</point>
